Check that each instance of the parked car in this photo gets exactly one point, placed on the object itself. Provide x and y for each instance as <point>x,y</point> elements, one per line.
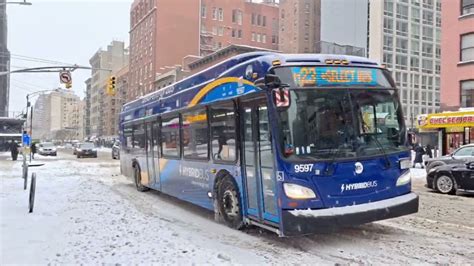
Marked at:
<point>116,150</point>
<point>461,155</point>
<point>47,148</point>
<point>449,178</point>
<point>86,149</point>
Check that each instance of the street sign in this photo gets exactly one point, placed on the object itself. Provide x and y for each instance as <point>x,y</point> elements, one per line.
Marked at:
<point>65,77</point>
<point>26,140</point>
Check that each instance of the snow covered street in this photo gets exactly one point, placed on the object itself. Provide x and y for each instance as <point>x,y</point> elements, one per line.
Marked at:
<point>86,212</point>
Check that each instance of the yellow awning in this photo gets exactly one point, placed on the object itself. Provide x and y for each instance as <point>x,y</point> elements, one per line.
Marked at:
<point>446,120</point>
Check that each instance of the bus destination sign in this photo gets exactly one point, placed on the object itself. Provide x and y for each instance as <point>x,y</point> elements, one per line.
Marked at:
<point>334,76</point>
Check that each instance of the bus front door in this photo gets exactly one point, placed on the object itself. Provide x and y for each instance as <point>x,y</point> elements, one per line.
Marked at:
<point>258,161</point>
<point>152,154</point>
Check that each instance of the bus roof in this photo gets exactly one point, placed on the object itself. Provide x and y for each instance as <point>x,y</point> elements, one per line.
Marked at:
<point>261,61</point>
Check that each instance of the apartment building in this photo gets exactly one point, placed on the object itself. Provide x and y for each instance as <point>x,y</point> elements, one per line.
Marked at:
<point>57,115</point>
<point>300,26</point>
<point>192,28</point>
<point>105,63</point>
<point>405,35</point>
<point>457,54</point>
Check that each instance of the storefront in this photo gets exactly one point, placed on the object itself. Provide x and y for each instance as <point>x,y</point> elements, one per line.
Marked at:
<point>454,128</point>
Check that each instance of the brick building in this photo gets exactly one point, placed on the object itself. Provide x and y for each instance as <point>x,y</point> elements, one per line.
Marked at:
<point>300,26</point>
<point>160,40</point>
<point>457,54</point>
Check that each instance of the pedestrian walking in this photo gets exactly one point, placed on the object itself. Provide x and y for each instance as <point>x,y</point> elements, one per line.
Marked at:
<point>33,150</point>
<point>429,151</point>
<point>14,150</point>
<point>419,151</point>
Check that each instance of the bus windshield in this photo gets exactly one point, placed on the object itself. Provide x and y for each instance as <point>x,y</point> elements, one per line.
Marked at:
<point>330,123</point>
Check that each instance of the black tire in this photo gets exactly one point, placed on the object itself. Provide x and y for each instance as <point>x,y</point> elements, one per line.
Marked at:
<point>229,203</point>
<point>445,184</point>
<point>32,192</point>
<point>138,177</point>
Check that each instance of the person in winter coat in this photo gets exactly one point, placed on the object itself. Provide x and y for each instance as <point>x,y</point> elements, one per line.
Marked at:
<point>419,151</point>
<point>33,150</point>
<point>14,150</point>
<point>429,151</point>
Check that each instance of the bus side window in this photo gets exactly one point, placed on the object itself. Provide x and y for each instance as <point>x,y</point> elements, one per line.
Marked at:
<point>139,136</point>
<point>128,137</point>
<point>195,134</point>
<point>223,132</point>
<point>170,136</point>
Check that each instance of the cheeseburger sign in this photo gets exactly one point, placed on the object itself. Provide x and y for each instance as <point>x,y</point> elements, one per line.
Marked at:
<point>445,120</point>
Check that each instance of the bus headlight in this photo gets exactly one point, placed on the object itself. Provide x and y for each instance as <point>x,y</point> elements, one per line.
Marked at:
<point>405,163</point>
<point>404,179</point>
<point>295,191</point>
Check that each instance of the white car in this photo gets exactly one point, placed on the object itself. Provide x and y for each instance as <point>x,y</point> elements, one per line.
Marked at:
<point>47,148</point>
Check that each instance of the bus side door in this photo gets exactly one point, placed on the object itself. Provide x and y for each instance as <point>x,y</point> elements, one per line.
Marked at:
<point>258,160</point>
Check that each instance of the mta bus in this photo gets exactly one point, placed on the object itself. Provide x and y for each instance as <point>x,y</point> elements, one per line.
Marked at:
<point>293,143</point>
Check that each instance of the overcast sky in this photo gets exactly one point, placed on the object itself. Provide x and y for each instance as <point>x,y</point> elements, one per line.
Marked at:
<point>69,31</point>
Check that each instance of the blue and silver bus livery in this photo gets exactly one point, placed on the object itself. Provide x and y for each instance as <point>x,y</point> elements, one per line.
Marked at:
<point>295,144</point>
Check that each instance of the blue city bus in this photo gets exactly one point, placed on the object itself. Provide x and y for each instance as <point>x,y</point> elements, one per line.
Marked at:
<point>293,143</point>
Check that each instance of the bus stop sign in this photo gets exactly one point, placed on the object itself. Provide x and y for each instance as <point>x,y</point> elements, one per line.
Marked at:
<point>26,139</point>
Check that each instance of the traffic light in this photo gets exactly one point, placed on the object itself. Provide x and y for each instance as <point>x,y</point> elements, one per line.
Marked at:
<point>68,85</point>
<point>111,86</point>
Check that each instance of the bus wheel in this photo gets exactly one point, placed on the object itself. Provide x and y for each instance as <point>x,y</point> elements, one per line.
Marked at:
<point>228,202</point>
<point>138,180</point>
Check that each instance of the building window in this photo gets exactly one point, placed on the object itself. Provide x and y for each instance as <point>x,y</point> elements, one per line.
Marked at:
<point>259,20</point>
<point>427,17</point>
<point>253,18</point>
<point>402,28</point>
<point>274,39</point>
<point>221,14</point>
<point>415,47</point>
<point>264,38</point>
<point>387,25</point>
<point>214,13</point>
<point>388,7</point>
<point>402,45</point>
<point>220,31</point>
<point>414,63</point>
<point>214,30</point>
<point>467,93</point>
<point>264,21</point>
<point>253,36</point>
<point>234,33</point>
<point>239,35</point>
<point>427,33</point>
<point>427,49</point>
<point>427,65</point>
<point>258,37</point>
<point>195,135</point>
<point>467,47</point>
<point>239,17</point>
<point>415,15</point>
<point>467,7</point>
<point>203,11</point>
<point>401,61</point>
<point>402,11</point>
<point>234,16</point>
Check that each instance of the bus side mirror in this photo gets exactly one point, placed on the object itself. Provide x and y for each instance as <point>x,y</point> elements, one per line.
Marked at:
<point>272,81</point>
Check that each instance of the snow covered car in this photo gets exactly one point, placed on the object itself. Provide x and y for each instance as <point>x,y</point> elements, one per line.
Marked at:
<point>47,148</point>
<point>448,179</point>
<point>86,150</point>
<point>459,156</point>
<point>116,150</point>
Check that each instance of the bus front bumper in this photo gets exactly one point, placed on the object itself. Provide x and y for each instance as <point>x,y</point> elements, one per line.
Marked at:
<point>301,222</point>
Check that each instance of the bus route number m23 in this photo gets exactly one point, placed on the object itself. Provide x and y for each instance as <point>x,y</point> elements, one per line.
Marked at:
<point>303,168</point>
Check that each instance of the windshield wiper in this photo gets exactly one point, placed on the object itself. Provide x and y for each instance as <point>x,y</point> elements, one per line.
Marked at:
<point>379,145</point>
